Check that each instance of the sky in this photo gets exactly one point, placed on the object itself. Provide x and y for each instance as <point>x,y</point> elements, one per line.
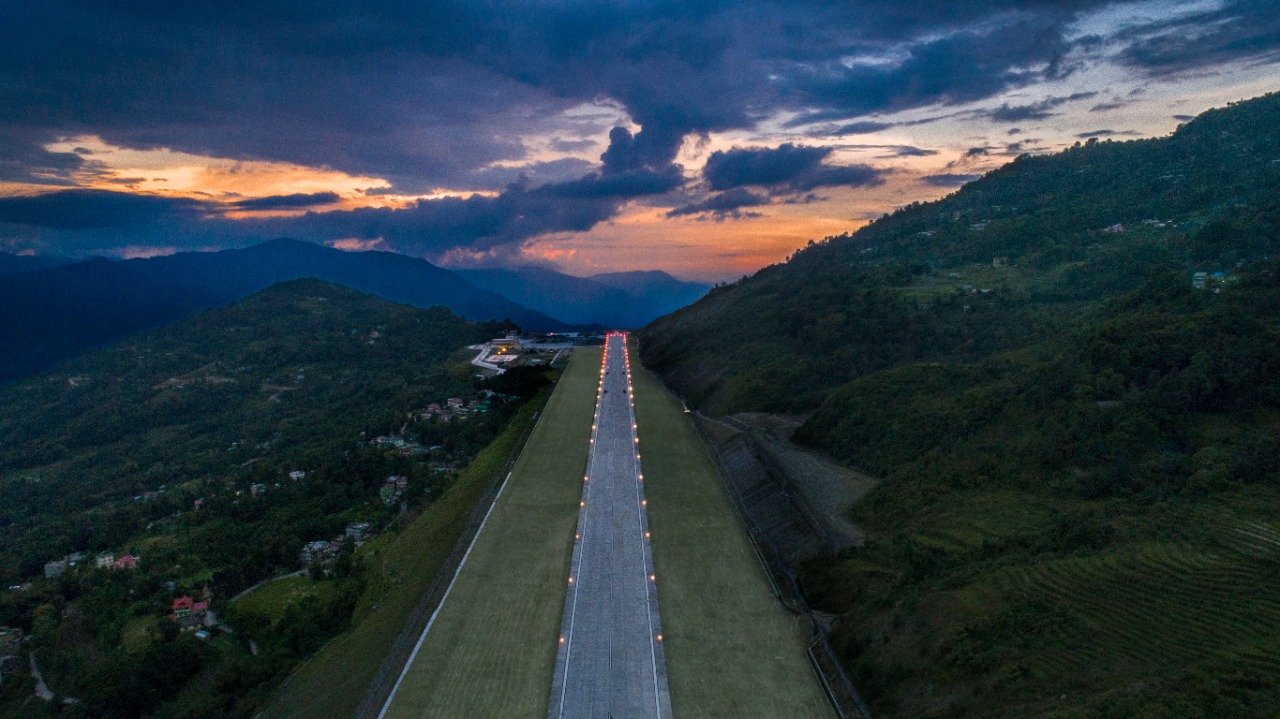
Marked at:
<point>707,139</point>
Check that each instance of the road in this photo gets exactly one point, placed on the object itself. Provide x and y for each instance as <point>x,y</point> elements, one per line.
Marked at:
<point>610,660</point>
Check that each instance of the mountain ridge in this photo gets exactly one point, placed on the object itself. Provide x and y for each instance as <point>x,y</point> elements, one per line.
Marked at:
<point>52,314</point>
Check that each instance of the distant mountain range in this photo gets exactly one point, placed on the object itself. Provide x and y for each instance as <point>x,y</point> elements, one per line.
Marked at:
<point>52,309</point>
<point>49,315</point>
<point>10,263</point>
<point>618,299</point>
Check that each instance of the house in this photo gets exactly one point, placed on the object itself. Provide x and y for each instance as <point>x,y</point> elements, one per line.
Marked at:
<point>358,532</point>
<point>1199,280</point>
<point>104,560</point>
<point>256,489</point>
<point>128,561</point>
<point>1115,229</point>
<point>56,568</point>
<point>999,261</point>
<point>388,494</point>
<point>190,615</point>
<point>317,551</point>
<point>456,403</point>
<point>297,474</point>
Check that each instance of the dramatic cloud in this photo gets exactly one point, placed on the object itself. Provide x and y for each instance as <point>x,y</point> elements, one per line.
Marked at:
<point>726,204</point>
<point>1035,111</point>
<point>792,168</point>
<point>506,98</point>
<point>288,202</point>
<point>1226,32</point>
<point>865,127</point>
<point>85,220</point>
<point>93,210</point>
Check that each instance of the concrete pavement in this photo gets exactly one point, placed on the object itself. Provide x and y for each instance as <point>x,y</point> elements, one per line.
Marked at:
<point>610,660</point>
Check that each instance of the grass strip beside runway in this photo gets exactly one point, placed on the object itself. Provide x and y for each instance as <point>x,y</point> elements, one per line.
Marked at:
<point>731,649</point>
<point>336,679</point>
<point>491,651</point>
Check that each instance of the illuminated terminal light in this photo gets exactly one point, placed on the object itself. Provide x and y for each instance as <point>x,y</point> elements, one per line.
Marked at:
<point>582,504</point>
<point>653,577</point>
<point>646,535</point>
<point>644,503</point>
<point>577,536</point>
<point>659,638</point>
<point>562,639</point>
<point>571,580</point>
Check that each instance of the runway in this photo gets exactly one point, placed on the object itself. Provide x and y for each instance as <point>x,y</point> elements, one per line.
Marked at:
<point>610,661</point>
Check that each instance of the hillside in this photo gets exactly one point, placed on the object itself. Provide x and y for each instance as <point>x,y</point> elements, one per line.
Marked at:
<point>622,300</point>
<point>213,451</point>
<point>1076,430</point>
<point>11,263</point>
<point>51,315</point>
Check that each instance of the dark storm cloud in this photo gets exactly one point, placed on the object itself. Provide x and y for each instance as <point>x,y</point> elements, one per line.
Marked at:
<point>88,220</point>
<point>441,93</point>
<point>92,209</point>
<point>496,178</point>
<point>761,166</point>
<point>425,94</point>
<point>1034,111</point>
<point>956,68</point>
<point>897,150</point>
<point>724,204</point>
<point>861,128</point>
<point>788,168</point>
<point>1240,30</point>
<point>288,202</point>
<point>948,179</point>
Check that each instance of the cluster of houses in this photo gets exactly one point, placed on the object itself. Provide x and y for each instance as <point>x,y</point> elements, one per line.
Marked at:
<point>323,552</point>
<point>1215,280</point>
<point>393,489</point>
<point>73,561</point>
<point>455,407</point>
<point>193,615</point>
<point>404,446</point>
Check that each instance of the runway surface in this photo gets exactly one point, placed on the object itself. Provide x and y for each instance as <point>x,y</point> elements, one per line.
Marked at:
<point>610,662</point>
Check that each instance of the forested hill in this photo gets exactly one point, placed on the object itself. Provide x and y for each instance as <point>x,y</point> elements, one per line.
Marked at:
<point>1094,221</point>
<point>1065,375</point>
<point>212,451</point>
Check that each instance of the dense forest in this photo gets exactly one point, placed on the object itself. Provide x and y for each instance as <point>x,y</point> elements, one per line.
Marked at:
<point>1064,375</point>
<point>207,455</point>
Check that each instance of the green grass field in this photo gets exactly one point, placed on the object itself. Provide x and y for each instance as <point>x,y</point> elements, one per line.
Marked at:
<point>271,599</point>
<point>334,682</point>
<point>491,651</point>
<point>731,649</point>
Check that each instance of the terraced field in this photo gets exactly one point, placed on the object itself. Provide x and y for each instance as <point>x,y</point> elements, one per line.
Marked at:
<point>1161,606</point>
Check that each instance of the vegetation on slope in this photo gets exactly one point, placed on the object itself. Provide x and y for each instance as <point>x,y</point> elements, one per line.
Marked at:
<point>1078,434</point>
<point>212,451</point>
